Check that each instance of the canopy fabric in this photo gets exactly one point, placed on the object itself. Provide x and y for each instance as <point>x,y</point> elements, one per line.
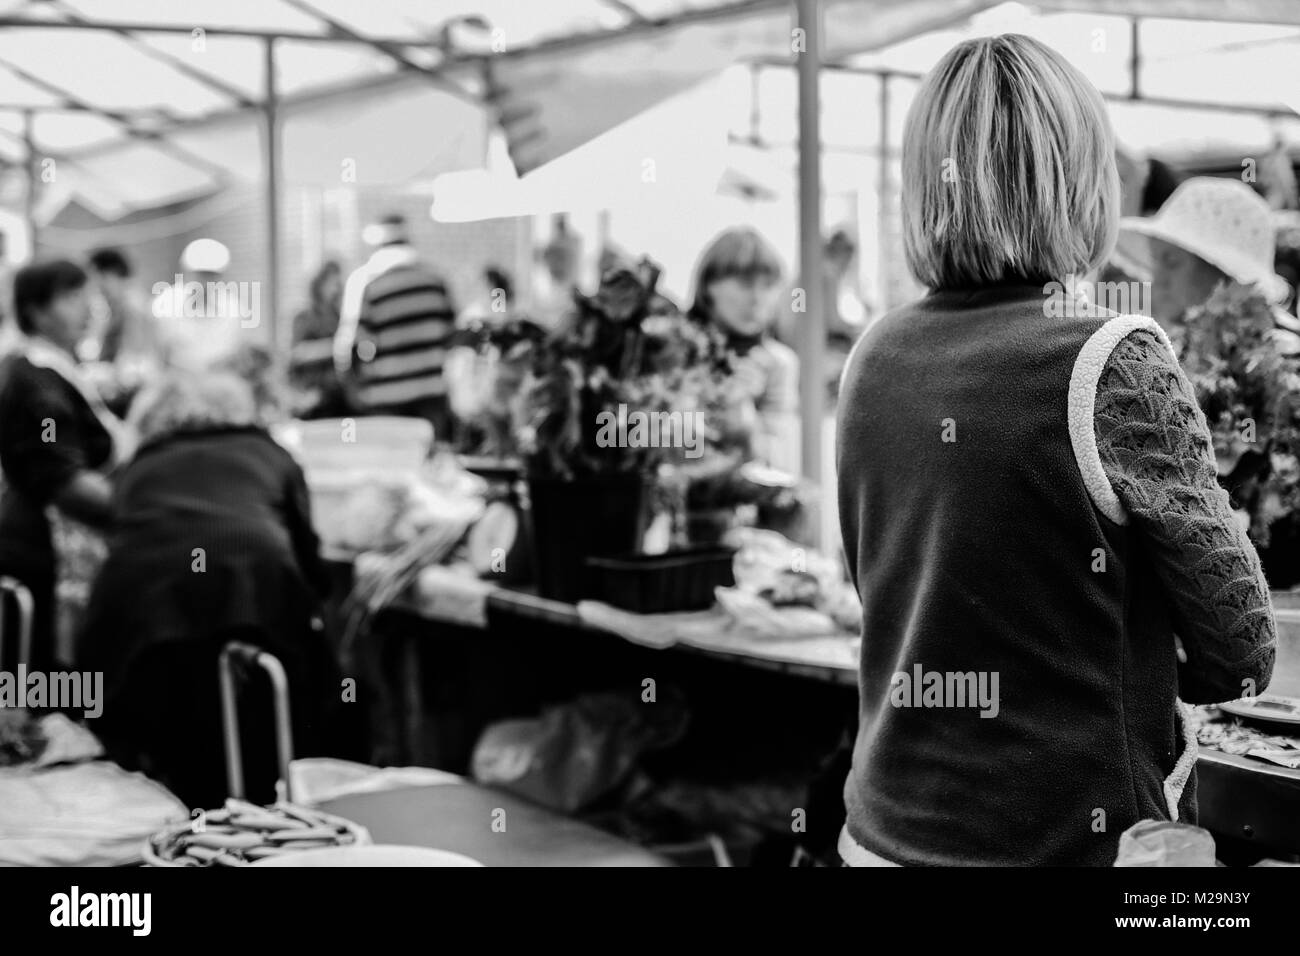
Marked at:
<point>561,73</point>
<point>388,90</point>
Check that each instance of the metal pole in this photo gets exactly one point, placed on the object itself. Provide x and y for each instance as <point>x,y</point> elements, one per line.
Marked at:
<point>1135,59</point>
<point>884,206</point>
<point>33,178</point>
<point>812,337</point>
<point>272,159</point>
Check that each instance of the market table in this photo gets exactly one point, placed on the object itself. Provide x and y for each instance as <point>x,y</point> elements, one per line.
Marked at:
<point>1248,799</point>
<point>443,595</point>
<point>1240,797</point>
<point>460,817</point>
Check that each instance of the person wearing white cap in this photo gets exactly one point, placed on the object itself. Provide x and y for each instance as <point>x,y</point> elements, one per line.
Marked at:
<point>1208,232</point>
<point>202,320</point>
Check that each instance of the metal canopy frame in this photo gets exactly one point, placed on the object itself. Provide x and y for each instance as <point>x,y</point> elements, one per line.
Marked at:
<point>334,32</point>
<point>808,64</point>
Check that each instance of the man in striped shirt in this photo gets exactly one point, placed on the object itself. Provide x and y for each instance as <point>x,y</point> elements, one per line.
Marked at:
<point>395,326</point>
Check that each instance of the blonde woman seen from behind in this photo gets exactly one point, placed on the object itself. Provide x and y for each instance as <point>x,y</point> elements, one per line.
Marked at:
<point>1029,504</point>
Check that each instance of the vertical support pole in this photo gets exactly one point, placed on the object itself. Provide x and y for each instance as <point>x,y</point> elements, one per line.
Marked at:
<point>1135,59</point>
<point>884,205</point>
<point>271,157</point>
<point>603,231</point>
<point>812,338</point>
<point>525,263</point>
<point>33,178</point>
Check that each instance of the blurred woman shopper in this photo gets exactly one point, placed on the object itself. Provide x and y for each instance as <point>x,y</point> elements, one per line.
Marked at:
<point>1216,293</point>
<point>737,285</point>
<point>1029,505</point>
<point>212,541</point>
<point>57,441</point>
<point>311,357</point>
<point>1211,232</point>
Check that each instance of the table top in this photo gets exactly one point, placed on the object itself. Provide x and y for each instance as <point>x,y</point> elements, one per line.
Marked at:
<point>800,657</point>
<point>442,596</point>
<point>487,825</point>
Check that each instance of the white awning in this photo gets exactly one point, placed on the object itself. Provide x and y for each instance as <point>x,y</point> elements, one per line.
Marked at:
<point>145,102</point>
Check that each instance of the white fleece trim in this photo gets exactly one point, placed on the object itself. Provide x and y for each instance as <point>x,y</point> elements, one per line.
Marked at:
<point>1182,772</point>
<point>855,854</point>
<point>1082,405</point>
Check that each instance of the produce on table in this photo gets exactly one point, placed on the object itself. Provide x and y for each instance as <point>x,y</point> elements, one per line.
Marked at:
<point>493,536</point>
<point>240,833</point>
<point>21,740</point>
<point>757,615</point>
<point>358,510</point>
<point>792,588</point>
<point>783,585</point>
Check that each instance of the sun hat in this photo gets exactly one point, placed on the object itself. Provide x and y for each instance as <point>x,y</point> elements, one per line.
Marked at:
<point>1225,223</point>
<point>205,255</point>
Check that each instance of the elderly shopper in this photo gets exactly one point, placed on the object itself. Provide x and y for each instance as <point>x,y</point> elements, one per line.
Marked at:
<point>212,541</point>
<point>1029,504</point>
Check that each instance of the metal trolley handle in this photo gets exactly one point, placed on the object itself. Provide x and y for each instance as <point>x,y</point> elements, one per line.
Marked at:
<point>230,713</point>
<point>26,612</point>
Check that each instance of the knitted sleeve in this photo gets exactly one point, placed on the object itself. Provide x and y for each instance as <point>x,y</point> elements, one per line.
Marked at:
<point>1157,452</point>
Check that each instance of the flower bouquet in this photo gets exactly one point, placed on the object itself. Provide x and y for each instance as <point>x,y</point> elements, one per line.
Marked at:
<point>1247,382</point>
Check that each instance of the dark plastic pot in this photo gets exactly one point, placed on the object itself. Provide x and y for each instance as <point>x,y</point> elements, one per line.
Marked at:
<point>579,519</point>
<point>681,580</point>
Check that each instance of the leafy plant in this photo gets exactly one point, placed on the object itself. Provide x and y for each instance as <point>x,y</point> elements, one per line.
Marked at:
<point>1248,384</point>
<point>626,348</point>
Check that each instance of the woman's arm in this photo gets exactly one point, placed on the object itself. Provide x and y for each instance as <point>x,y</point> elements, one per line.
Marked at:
<point>88,497</point>
<point>1156,449</point>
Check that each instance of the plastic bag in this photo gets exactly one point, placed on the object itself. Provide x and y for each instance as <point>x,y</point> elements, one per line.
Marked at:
<point>576,753</point>
<point>85,814</point>
<point>1161,843</point>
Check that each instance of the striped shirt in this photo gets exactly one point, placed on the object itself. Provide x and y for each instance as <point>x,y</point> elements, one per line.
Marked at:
<point>396,325</point>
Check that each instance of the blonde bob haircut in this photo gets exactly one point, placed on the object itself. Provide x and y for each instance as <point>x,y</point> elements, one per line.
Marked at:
<point>1008,169</point>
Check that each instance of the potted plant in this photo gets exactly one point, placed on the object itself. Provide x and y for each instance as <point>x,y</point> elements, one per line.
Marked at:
<point>623,358</point>
<point>1247,380</point>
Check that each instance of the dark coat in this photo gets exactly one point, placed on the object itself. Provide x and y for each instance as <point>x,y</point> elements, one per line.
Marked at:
<point>48,434</point>
<point>212,534</point>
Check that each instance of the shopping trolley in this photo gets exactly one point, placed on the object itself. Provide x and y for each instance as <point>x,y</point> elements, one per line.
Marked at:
<point>455,816</point>
<point>12,588</point>
<point>240,652</point>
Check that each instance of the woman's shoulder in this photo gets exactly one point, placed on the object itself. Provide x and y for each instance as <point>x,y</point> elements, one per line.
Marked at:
<point>775,357</point>
<point>781,353</point>
<point>16,366</point>
<point>30,384</point>
<point>252,441</point>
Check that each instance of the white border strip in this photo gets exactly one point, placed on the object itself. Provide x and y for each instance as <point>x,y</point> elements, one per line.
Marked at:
<point>854,853</point>
<point>1182,772</point>
<point>1082,405</point>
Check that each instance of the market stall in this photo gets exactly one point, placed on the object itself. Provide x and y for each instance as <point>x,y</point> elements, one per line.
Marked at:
<point>634,504</point>
<point>1249,772</point>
